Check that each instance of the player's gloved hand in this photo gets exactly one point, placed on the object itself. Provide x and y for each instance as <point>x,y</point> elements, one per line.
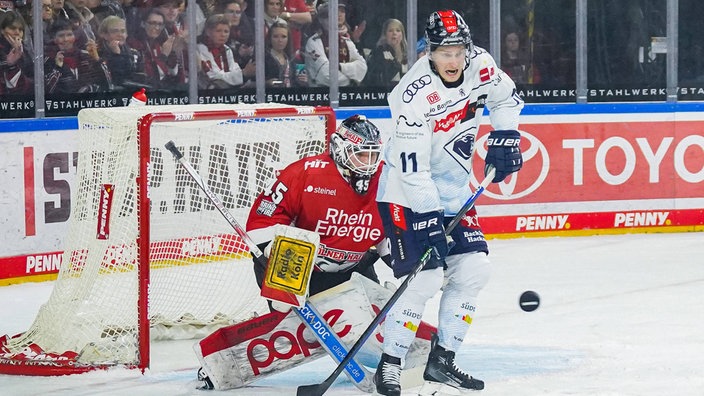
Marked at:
<point>430,232</point>
<point>504,154</point>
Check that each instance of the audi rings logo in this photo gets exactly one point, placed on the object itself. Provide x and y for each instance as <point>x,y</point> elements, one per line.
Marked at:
<point>536,164</point>
<point>414,87</point>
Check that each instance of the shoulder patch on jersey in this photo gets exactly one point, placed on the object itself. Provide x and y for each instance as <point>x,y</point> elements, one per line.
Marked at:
<point>486,73</point>
<point>266,208</point>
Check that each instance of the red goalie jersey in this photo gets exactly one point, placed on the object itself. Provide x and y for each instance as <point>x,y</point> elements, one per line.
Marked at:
<point>313,195</point>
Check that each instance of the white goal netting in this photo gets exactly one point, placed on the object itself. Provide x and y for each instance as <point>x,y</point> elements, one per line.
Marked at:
<point>200,272</point>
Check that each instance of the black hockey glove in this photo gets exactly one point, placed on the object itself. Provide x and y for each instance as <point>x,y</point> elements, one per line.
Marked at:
<point>366,265</point>
<point>430,232</point>
<point>504,154</point>
<point>260,265</point>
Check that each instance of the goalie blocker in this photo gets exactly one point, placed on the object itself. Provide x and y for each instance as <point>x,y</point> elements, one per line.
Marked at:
<point>238,355</point>
<point>292,255</point>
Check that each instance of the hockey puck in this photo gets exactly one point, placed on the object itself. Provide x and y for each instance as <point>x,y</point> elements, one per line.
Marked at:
<point>529,301</point>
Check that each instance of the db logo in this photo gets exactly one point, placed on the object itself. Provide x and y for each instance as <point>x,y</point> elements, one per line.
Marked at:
<point>433,98</point>
<point>283,344</point>
<point>536,163</point>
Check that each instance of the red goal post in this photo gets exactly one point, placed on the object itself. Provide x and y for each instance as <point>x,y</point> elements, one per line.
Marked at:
<point>146,255</point>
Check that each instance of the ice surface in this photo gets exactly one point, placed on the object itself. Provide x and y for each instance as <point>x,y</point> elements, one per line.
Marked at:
<point>619,315</point>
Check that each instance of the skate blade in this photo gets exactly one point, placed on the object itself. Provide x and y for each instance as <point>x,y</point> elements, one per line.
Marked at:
<point>430,388</point>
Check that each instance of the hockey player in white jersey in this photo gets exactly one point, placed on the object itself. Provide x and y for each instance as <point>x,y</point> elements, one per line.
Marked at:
<point>425,181</point>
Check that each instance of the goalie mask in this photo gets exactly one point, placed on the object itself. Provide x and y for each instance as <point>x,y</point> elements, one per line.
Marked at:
<point>447,28</point>
<point>356,149</point>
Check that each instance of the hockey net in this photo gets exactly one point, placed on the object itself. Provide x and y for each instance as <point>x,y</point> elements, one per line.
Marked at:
<point>146,252</point>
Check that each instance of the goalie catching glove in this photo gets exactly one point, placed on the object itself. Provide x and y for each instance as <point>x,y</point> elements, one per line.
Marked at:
<point>503,153</point>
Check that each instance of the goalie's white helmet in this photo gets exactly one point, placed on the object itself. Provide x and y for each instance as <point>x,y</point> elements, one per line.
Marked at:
<point>356,149</point>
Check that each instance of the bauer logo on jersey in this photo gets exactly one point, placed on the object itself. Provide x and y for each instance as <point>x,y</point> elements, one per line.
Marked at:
<point>104,209</point>
<point>486,73</point>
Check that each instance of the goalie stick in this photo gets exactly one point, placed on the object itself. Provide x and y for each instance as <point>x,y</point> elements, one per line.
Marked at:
<point>321,388</point>
<point>330,341</point>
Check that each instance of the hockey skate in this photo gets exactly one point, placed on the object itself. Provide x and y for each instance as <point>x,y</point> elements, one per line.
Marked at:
<point>442,374</point>
<point>388,376</point>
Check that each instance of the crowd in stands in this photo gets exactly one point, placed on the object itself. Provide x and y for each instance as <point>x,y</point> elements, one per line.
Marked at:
<point>114,45</point>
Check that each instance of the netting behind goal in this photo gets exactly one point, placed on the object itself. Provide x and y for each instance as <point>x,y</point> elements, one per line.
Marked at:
<point>140,223</point>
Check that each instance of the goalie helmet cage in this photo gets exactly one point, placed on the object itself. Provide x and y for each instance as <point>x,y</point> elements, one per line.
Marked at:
<point>146,251</point>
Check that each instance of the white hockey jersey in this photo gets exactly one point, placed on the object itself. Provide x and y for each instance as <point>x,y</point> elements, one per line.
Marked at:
<point>428,154</point>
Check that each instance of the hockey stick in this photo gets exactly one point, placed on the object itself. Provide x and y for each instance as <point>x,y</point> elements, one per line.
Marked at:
<point>330,341</point>
<point>321,388</point>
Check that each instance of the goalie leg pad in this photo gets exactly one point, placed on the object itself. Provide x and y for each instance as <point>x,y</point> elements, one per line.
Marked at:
<point>240,354</point>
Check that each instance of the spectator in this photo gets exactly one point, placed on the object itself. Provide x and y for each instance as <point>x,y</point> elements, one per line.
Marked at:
<point>16,63</point>
<point>240,25</point>
<point>85,24</point>
<point>174,16</point>
<point>245,18</point>
<point>244,56</point>
<point>59,8</point>
<point>516,62</point>
<point>104,8</point>
<point>297,14</point>
<point>125,63</point>
<point>281,71</point>
<point>388,62</point>
<point>48,19</point>
<point>272,10</point>
<point>26,12</point>
<point>352,65</point>
<point>208,7</point>
<point>134,11</point>
<point>156,46</point>
<point>353,24</point>
<point>218,69</point>
<point>175,25</point>
<point>69,69</point>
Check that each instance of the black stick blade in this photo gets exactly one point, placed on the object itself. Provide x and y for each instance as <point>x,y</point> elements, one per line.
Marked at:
<point>313,390</point>
<point>171,146</point>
